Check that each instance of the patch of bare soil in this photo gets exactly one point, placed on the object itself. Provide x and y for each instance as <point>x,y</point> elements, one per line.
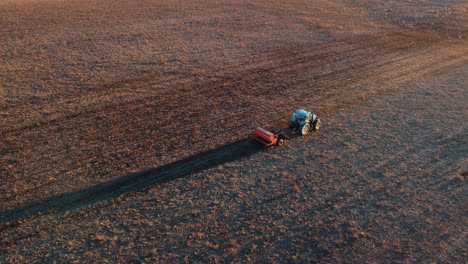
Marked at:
<point>382,182</point>
<point>123,131</point>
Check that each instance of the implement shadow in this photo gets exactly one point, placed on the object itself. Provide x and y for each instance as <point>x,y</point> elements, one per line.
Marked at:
<point>133,182</point>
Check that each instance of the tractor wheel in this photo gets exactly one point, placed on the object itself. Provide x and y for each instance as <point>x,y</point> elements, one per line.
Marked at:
<point>280,142</point>
<point>305,129</point>
<point>317,124</point>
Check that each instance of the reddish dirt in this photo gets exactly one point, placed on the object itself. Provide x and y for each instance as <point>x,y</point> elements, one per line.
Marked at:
<point>124,131</point>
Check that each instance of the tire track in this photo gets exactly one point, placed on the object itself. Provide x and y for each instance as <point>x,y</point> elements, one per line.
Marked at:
<point>269,62</point>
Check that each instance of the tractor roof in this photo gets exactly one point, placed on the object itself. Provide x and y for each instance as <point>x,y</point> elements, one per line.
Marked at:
<point>301,112</point>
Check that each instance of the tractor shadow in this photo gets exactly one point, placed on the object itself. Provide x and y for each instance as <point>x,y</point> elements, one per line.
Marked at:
<point>132,182</point>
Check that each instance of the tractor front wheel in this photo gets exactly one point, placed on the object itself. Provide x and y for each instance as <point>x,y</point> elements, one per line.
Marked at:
<point>305,129</point>
<point>317,124</point>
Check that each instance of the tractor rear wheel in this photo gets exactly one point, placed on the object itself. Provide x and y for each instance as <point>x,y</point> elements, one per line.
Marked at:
<point>317,124</point>
<point>305,129</point>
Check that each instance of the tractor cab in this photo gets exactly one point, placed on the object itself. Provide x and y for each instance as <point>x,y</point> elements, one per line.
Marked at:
<point>302,115</point>
<point>304,121</point>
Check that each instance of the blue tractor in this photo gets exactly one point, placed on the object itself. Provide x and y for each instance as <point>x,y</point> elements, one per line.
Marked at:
<point>303,122</point>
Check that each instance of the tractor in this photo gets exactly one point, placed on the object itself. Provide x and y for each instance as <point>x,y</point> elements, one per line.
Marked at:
<point>303,121</point>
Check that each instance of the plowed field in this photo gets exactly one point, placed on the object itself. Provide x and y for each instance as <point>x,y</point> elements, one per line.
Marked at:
<point>124,131</point>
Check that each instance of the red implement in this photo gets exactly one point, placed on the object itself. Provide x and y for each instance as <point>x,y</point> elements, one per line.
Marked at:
<point>268,138</point>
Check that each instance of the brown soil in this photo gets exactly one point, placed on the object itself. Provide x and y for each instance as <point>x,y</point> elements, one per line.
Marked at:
<point>124,131</point>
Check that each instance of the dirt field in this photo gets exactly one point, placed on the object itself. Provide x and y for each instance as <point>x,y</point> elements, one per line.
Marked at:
<point>124,130</point>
